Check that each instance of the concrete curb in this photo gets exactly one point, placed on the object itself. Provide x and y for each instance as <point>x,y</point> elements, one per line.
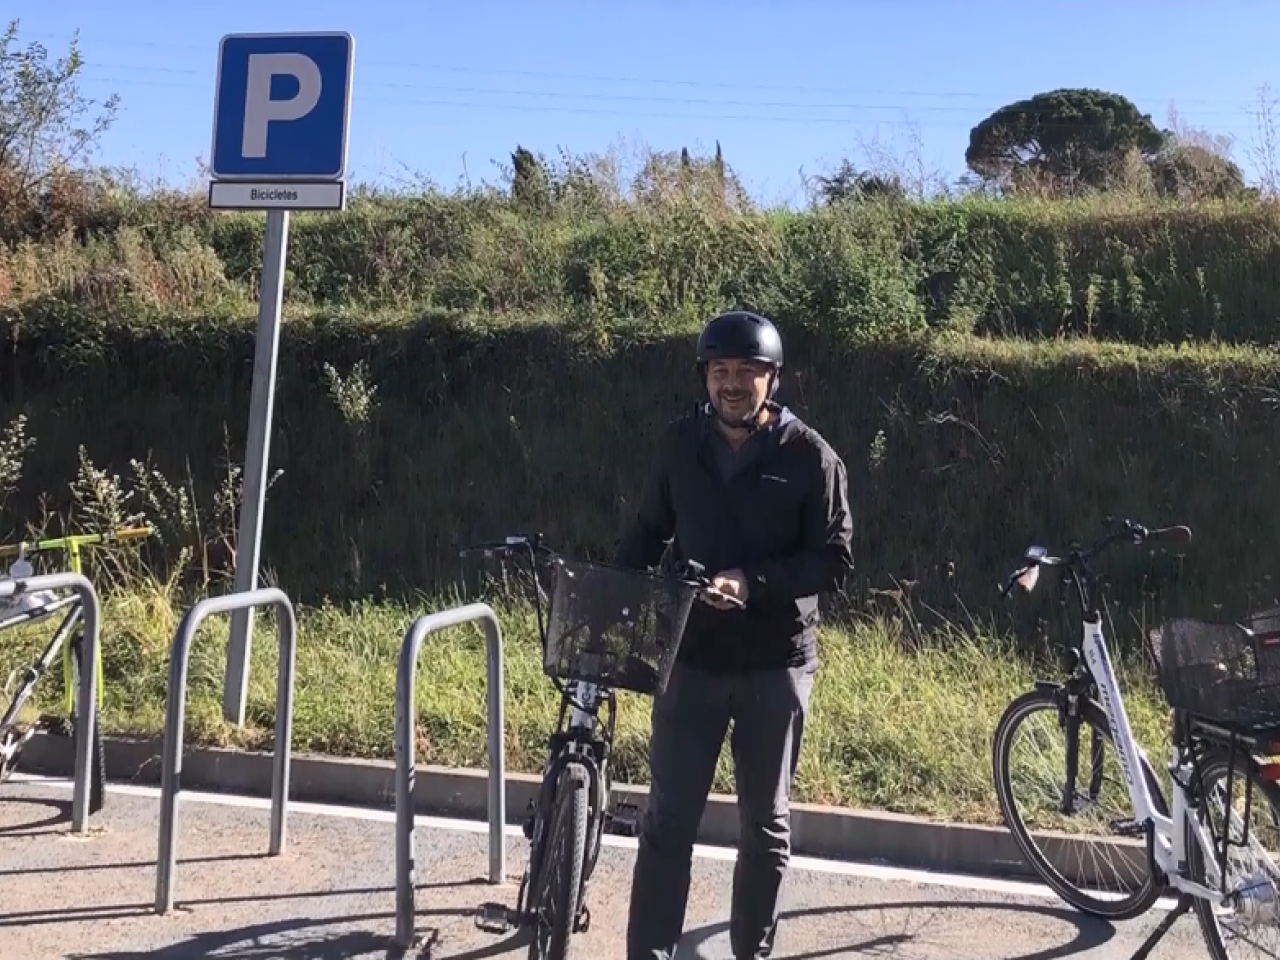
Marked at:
<point>819,831</point>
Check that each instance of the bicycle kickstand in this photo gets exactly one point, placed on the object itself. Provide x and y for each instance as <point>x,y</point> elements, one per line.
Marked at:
<point>1185,902</point>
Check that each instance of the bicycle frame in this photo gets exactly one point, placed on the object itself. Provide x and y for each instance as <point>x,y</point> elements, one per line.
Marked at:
<point>72,545</point>
<point>1169,837</point>
<point>1165,837</point>
<point>56,644</point>
<point>578,741</point>
<point>579,737</point>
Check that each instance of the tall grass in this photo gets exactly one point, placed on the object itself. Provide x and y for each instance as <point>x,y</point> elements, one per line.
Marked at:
<point>394,446</point>
<point>667,249</point>
<point>859,750</point>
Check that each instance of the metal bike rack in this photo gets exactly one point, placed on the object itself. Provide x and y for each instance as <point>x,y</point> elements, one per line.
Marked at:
<point>175,715</point>
<point>88,692</point>
<point>406,724</point>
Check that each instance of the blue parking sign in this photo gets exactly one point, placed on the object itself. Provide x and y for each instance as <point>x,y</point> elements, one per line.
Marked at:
<point>282,106</point>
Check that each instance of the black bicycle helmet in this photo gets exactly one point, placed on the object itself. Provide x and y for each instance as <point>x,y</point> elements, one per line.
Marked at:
<point>739,335</point>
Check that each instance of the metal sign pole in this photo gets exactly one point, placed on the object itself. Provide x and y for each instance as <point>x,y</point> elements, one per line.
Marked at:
<point>273,153</point>
<point>257,456</point>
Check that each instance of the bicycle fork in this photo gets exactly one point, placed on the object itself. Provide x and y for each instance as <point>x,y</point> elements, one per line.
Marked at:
<point>575,744</point>
<point>11,745</point>
<point>579,748</point>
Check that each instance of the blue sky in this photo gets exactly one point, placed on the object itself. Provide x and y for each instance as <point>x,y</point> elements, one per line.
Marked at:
<point>447,87</point>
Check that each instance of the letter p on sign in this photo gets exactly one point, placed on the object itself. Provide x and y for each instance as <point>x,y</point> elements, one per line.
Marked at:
<point>282,107</point>
<point>260,109</point>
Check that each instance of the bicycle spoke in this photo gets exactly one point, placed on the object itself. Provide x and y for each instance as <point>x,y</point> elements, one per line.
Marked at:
<point>1248,927</point>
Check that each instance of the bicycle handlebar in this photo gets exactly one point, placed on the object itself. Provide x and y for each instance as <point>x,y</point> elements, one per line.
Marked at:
<point>506,547</point>
<point>694,573</point>
<point>688,571</point>
<point>75,540</point>
<point>1077,560</point>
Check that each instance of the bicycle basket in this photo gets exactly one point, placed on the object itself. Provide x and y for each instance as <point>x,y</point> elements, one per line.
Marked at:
<point>1223,672</point>
<point>616,627</point>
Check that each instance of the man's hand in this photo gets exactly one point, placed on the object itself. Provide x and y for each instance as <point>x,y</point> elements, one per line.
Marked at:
<point>733,583</point>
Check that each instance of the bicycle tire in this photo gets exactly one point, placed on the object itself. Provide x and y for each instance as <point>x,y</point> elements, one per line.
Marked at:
<point>1212,760</point>
<point>97,753</point>
<point>1093,715</point>
<point>560,875</point>
<point>596,825</point>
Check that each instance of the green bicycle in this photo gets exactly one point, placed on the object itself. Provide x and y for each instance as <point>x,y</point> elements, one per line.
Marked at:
<point>36,607</point>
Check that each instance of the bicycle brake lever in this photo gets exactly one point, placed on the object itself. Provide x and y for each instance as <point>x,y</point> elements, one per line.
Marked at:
<point>1117,525</point>
<point>694,568</point>
<point>724,598</point>
<point>1026,577</point>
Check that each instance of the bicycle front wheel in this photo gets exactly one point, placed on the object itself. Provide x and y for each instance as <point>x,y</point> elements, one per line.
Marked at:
<point>560,876</point>
<point>1087,850</point>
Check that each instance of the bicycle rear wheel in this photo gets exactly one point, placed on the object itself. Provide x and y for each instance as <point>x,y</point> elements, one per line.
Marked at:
<point>1248,928</point>
<point>97,762</point>
<point>1078,854</point>
<point>555,889</point>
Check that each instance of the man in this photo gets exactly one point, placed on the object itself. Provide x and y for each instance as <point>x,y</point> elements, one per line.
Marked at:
<point>759,498</point>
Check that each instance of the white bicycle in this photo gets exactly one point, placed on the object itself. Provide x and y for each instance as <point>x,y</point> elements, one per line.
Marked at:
<point>1223,682</point>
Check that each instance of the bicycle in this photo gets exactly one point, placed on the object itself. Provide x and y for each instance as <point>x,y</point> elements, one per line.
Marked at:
<point>1224,694</point>
<point>606,629</point>
<point>23,607</point>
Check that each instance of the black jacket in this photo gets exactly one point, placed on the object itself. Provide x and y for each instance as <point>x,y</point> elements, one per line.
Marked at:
<point>782,517</point>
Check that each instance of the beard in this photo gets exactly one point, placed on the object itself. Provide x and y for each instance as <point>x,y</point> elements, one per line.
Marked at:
<point>736,409</point>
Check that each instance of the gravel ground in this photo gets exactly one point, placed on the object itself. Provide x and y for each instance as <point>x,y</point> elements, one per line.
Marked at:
<point>331,895</point>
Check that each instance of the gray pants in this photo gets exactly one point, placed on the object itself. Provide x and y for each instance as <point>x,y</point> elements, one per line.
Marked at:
<point>690,720</point>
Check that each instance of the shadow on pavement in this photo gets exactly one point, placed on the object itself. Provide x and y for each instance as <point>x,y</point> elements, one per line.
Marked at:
<point>303,940</point>
<point>126,864</point>
<point>1090,933</point>
<point>33,828</point>
<point>123,911</point>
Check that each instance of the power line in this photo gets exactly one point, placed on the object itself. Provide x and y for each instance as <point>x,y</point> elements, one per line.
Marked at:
<point>510,107</point>
<point>627,97</point>
<point>554,108</point>
<point>596,78</point>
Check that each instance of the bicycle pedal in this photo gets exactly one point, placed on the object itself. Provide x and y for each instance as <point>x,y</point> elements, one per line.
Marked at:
<point>1127,828</point>
<point>625,819</point>
<point>530,815</point>
<point>494,918</point>
<point>55,725</point>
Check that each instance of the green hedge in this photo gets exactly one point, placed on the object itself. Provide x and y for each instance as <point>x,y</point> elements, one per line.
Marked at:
<point>959,452</point>
<point>1115,271</point>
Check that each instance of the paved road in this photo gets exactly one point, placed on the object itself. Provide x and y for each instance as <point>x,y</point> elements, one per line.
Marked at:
<point>331,895</point>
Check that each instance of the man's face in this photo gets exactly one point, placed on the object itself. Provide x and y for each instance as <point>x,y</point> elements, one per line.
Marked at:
<point>737,388</point>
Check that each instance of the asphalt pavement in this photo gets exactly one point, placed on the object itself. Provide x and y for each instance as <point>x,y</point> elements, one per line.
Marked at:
<point>331,894</point>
